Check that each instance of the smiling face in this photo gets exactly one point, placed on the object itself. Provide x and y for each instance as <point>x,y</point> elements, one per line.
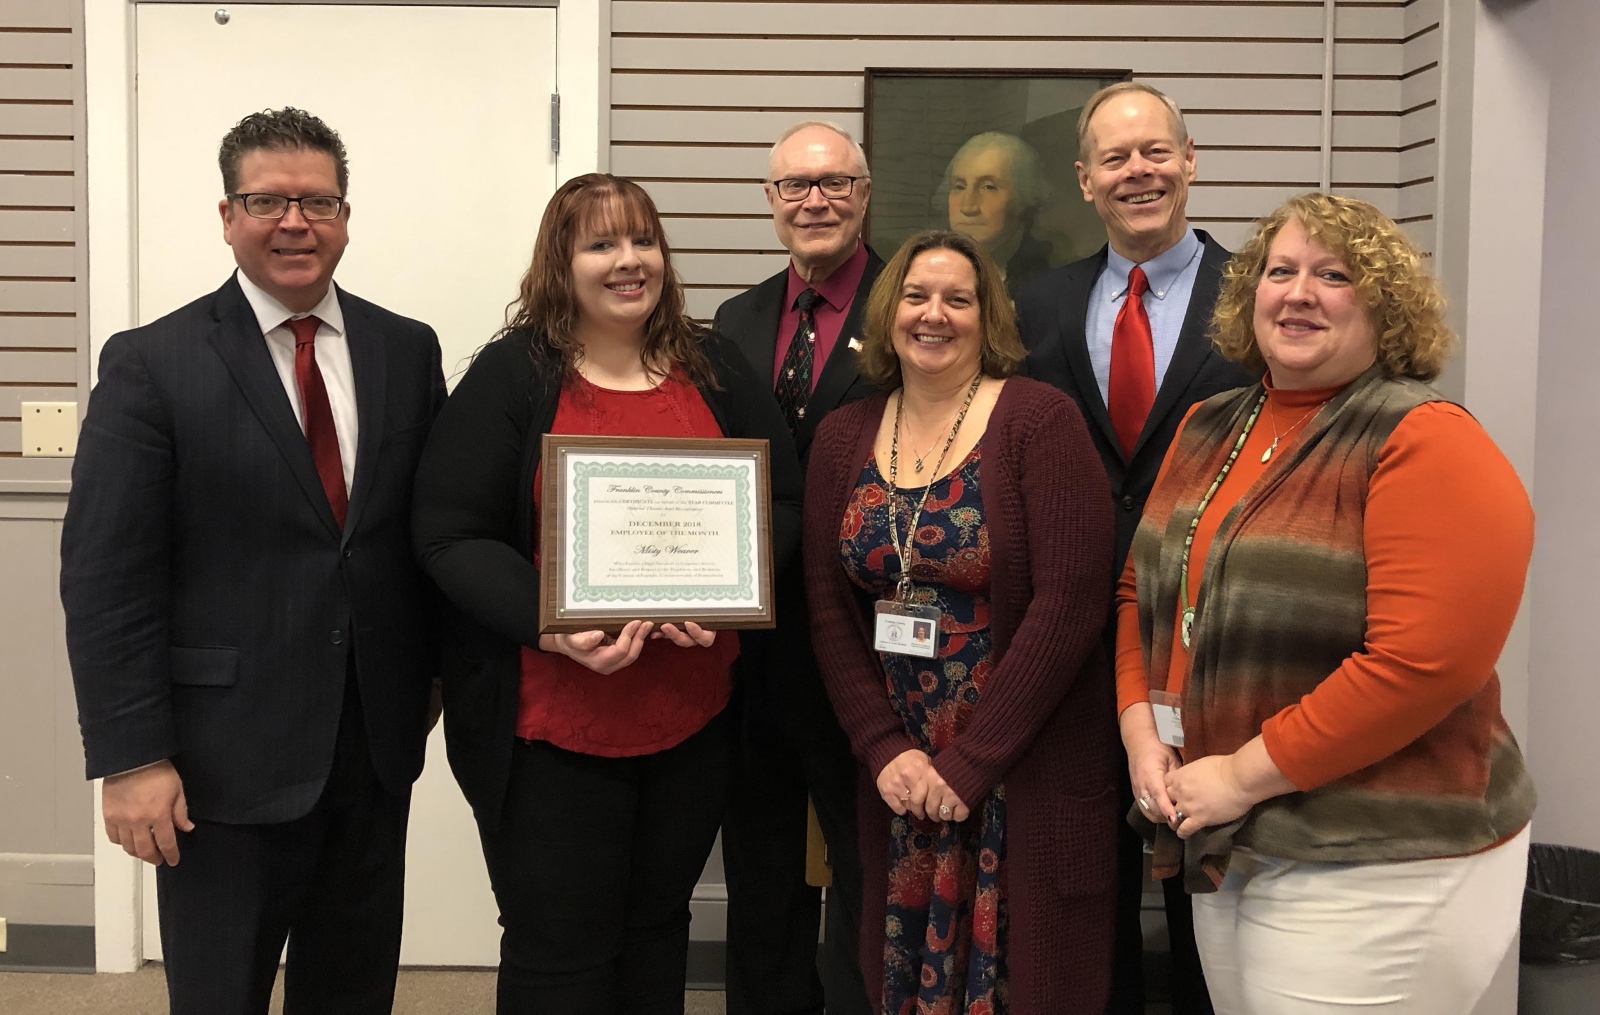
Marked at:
<point>1311,325</point>
<point>819,233</point>
<point>983,200</point>
<point>938,331</point>
<point>1137,174</point>
<point>616,274</point>
<point>291,258</point>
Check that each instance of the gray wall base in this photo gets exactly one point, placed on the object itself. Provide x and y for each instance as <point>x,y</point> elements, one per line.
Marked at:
<point>707,966</point>
<point>43,948</point>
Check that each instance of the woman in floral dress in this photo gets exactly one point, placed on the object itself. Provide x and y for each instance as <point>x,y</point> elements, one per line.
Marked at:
<point>958,553</point>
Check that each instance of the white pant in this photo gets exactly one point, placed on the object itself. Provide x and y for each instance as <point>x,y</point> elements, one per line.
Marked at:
<point>1286,937</point>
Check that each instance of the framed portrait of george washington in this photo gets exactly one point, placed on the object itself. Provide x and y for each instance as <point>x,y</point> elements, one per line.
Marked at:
<point>989,153</point>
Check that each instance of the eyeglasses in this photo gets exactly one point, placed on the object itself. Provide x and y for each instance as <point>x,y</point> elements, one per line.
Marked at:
<point>276,206</point>
<point>832,187</point>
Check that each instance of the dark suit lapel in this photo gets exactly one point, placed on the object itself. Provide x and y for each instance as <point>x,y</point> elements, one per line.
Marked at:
<point>842,369</point>
<point>1075,342</point>
<point>1193,343</point>
<point>243,349</point>
<point>759,340</point>
<point>369,365</point>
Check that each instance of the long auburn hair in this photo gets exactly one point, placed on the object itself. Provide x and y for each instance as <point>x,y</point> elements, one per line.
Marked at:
<point>546,310</point>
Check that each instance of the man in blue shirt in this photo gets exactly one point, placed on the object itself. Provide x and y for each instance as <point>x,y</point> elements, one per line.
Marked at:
<point>1135,364</point>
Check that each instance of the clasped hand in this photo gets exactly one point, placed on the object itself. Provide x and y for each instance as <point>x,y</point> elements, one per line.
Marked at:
<point>911,785</point>
<point>603,654</point>
<point>1207,792</point>
<point>1186,798</point>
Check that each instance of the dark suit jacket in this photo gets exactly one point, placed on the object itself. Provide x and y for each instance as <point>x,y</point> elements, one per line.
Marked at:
<point>212,602</point>
<point>1051,313</point>
<point>750,320</point>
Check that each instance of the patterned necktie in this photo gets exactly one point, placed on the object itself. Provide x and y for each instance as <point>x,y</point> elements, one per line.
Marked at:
<point>794,376</point>
<point>1132,388</point>
<point>320,433</point>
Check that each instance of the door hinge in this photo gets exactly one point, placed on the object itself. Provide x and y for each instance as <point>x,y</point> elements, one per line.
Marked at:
<point>555,123</point>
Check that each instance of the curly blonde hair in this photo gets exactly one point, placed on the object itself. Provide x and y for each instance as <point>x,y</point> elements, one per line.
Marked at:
<point>1406,302</point>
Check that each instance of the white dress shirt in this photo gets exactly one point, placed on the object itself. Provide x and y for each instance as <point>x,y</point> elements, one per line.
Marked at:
<point>333,359</point>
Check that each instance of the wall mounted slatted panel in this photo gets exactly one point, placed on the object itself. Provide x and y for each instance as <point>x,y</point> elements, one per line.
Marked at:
<point>700,88</point>
<point>1419,118</point>
<point>43,254</point>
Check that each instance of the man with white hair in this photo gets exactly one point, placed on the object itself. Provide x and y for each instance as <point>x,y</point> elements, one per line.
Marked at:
<point>803,325</point>
<point>1124,333</point>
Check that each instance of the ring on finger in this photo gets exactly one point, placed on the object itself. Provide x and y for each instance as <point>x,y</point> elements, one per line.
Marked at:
<point>1144,802</point>
<point>944,811</point>
<point>1178,817</point>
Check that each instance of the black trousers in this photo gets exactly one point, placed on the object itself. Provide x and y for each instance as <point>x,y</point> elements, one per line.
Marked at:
<point>790,745</point>
<point>332,883</point>
<point>593,866</point>
<point>1187,980</point>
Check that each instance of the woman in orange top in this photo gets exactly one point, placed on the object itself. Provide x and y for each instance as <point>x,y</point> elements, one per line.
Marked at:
<point>1308,624</point>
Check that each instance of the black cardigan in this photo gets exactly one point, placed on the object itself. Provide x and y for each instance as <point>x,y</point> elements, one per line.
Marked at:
<point>472,528</point>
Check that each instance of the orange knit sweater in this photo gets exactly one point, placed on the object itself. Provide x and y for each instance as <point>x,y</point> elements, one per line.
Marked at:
<point>1448,535</point>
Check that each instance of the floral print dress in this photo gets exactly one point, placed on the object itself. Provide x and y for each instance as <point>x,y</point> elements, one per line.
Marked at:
<point>945,930</point>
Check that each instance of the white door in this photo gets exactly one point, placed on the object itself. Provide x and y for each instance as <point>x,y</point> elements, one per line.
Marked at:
<point>445,114</point>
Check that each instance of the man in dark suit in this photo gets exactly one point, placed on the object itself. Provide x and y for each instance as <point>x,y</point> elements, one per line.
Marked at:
<point>247,627</point>
<point>1135,366</point>
<point>802,327</point>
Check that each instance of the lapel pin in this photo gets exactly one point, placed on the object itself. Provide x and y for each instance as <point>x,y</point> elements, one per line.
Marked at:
<point>855,344</point>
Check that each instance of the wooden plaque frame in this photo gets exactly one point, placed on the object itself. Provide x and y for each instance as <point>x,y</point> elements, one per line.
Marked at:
<point>554,618</point>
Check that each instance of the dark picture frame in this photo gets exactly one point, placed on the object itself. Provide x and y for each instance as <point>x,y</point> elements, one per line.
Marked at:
<point>986,151</point>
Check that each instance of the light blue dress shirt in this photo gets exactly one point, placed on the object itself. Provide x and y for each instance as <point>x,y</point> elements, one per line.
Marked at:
<point>1171,275</point>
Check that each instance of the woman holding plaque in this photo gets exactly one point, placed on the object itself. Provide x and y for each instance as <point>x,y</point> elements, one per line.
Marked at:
<point>1309,620</point>
<point>968,503</point>
<point>596,766</point>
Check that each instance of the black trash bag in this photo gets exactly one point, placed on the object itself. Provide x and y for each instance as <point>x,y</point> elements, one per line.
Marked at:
<point>1561,905</point>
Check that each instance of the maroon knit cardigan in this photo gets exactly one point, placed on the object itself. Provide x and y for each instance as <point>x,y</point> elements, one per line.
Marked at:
<point>1045,726</point>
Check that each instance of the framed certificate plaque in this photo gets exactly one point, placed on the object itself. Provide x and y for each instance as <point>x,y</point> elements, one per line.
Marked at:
<point>654,528</point>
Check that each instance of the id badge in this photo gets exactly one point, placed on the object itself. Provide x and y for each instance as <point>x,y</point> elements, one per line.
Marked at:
<point>1168,708</point>
<point>906,629</point>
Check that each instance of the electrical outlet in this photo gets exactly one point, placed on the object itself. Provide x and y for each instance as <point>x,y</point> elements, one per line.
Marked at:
<point>2,933</point>
<point>49,429</point>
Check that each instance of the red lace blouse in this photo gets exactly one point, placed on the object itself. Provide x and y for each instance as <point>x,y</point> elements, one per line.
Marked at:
<point>669,693</point>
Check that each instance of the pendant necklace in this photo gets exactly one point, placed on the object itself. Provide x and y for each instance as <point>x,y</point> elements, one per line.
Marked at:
<point>918,456</point>
<point>1194,523</point>
<point>903,586</point>
<point>1272,413</point>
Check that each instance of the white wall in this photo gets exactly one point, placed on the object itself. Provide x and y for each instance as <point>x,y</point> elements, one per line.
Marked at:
<point>1531,360</point>
<point>1527,326</point>
<point>1564,694</point>
<point>1510,97</point>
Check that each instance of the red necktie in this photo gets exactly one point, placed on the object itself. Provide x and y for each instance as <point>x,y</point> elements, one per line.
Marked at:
<point>1132,389</point>
<point>320,434</point>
